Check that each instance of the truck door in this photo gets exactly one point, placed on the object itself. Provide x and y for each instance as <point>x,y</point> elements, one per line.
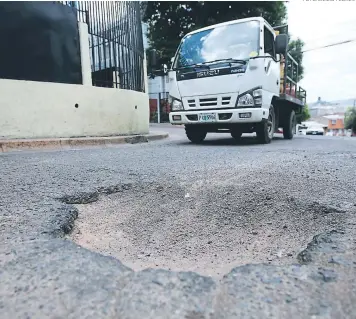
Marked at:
<point>272,67</point>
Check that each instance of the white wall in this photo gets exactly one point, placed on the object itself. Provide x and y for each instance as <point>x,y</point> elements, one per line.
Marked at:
<point>160,84</point>
<point>40,109</point>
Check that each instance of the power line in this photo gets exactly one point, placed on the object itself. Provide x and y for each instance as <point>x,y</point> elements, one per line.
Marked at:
<point>330,45</point>
<point>328,36</point>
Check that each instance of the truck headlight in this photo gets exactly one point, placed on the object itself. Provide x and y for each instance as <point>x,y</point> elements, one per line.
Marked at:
<point>252,98</point>
<point>246,100</point>
<point>176,105</point>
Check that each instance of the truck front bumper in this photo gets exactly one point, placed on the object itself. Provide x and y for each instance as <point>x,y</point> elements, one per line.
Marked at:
<point>228,116</point>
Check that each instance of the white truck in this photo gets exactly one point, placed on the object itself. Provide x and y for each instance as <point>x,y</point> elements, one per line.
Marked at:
<point>235,77</point>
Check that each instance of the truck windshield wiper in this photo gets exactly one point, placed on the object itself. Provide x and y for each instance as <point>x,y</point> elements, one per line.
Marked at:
<point>204,64</point>
<point>193,66</point>
<point>227,60</point>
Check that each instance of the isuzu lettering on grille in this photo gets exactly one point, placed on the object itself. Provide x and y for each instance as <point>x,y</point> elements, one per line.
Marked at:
<point>207,73</point>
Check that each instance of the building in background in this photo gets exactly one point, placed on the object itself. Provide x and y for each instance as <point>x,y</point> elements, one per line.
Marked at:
<point>321,108</point>
<point>336,125</point>
<point>330,115</point>
<point>158,88</point>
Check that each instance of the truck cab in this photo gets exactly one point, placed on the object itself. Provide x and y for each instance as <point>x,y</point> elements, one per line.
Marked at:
<point>235,77</point>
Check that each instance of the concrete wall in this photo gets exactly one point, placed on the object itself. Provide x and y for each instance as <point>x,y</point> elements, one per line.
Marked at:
<point>39,110</point>
<point>50,110</point>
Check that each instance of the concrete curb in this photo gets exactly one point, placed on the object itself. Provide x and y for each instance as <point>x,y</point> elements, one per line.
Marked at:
<point>74,142</point>
<point>166,125</point>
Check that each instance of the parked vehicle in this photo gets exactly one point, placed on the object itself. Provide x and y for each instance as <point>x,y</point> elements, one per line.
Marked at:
<point>315,131</point>
<point>302,129</point>
<point>235,77</point>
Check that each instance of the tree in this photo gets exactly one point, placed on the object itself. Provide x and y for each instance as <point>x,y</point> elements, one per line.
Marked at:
<point>350,119</point>
<point>169,21</point>
<point>305,115</point>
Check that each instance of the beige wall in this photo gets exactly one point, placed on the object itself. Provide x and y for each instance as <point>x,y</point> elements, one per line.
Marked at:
<point>40,109</point>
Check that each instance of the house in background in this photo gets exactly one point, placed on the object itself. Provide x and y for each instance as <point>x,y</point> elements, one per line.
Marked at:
<point>331,115</point>
<point>336,125</point>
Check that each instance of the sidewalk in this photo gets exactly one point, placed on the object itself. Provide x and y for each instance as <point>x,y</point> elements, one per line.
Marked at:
<point>8,145</point>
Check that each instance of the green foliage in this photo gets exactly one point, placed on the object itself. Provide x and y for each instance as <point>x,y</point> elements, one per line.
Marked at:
<point>350,119</point>
<point>169,21</point>
<point>304,115</point>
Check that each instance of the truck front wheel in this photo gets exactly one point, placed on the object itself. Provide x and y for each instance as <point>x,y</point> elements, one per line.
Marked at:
<point>195,133</point>
<point>290,125</point>
<point>265,129</point>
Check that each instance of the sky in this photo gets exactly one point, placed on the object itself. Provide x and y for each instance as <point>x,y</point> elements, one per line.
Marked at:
<point>330,73</point>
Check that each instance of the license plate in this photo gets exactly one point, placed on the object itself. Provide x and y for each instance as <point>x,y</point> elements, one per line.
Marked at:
<point>314,133</point>
<point>207,117</point>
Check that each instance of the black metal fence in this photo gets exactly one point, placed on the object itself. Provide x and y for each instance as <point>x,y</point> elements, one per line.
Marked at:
<point>115,41</point>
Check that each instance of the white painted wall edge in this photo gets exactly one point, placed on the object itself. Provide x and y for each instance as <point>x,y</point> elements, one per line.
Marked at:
<point>145,71</point>
<point>85,53</point>
<point>44,110</point>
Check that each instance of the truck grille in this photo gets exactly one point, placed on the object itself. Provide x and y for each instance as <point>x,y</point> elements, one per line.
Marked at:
<point>225,100</point>
<point>191,103</point>
<point>209,102</point>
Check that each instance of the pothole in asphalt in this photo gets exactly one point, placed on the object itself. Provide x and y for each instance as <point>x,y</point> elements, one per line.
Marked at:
<point>200,228</point>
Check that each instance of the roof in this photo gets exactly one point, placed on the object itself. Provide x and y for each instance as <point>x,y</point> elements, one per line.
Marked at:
<point>319,119</point>
<point>228,23</point>
<point>335,116</point>
<point>317,107</point>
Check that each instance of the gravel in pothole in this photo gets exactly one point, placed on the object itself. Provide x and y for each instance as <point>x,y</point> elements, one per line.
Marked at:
<point>206,228</point>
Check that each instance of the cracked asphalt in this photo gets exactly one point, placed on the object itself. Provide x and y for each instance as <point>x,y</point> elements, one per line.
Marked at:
<point>168,229</point>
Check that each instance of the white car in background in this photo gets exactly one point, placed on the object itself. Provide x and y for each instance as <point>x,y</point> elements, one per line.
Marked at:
<point>302,129</point>
<point>315,130</point>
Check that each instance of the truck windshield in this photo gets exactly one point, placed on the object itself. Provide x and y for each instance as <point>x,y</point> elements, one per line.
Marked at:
<point>234,41</point>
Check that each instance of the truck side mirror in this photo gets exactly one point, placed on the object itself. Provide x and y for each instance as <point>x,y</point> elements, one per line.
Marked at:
<point>165,68</point>
<point>152,58</point>
<point>281,43</point>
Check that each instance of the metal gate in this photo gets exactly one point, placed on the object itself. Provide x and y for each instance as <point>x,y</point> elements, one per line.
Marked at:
<point>115,41</point>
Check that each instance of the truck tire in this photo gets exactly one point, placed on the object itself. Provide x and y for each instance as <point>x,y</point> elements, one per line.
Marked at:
<point>265,129</point>
<point>195,134</point>
<point>289,125</point>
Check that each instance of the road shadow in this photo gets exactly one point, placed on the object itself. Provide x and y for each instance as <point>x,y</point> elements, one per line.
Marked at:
<point>228,141</point>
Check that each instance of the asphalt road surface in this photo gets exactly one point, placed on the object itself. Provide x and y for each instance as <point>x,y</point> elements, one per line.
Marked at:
<point>169,229</point>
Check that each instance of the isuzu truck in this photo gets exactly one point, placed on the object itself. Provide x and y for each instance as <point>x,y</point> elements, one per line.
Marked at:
<point>235,77</point>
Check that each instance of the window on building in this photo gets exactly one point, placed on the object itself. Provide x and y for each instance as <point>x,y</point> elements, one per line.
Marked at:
<point>269,42</point>
<point>333,122</point>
